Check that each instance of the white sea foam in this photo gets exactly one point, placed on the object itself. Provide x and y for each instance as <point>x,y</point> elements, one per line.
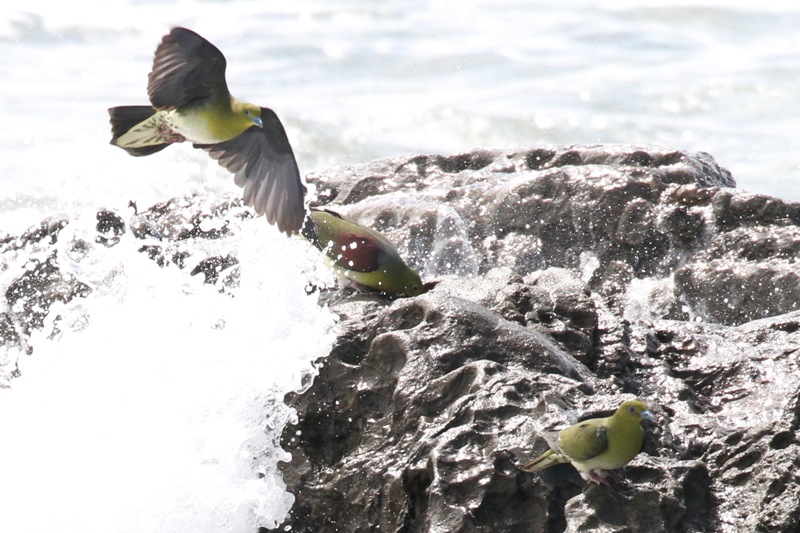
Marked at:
<point>159,405</point>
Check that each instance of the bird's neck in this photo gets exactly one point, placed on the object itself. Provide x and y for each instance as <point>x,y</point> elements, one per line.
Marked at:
<point>226,118</point>
<point>234,105</point>
<point>630,428</point>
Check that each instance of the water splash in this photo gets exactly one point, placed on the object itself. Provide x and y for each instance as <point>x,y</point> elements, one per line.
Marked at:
<point>157,403</point>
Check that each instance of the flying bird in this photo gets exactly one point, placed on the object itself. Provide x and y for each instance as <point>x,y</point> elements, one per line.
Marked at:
<point>361,255</point>
<point>598,446</point>
<point>190,102</point>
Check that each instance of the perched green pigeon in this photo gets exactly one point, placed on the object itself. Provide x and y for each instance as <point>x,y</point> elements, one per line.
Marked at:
<point>361,255</point>
<point>597,446</point>
<point>190,102</point>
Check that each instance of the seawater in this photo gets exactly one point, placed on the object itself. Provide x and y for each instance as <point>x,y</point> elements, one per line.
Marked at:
<point>160,402</point>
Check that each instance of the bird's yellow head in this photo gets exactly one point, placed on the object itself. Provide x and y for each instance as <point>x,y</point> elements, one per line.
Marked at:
<point>402,279</point>
<point>252,113</point>
<point>246,114</point>
<point>416,287</point>
<point>634,410</point>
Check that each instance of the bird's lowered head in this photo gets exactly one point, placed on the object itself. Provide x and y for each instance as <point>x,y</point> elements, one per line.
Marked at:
<point>250,114</point>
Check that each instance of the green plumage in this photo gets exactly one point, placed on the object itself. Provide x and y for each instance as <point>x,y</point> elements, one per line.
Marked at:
<point>597,446</point>
<point>361,255</point>
<point>190,102</point>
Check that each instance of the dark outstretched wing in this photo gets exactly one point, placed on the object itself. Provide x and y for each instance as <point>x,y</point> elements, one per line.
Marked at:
<point>262,162</point>
<point>186,69</point>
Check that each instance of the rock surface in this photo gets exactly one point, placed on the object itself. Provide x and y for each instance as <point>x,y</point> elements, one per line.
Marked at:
<point>570,278</point>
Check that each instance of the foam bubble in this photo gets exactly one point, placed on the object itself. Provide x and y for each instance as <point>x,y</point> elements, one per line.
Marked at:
<point>159,405</point>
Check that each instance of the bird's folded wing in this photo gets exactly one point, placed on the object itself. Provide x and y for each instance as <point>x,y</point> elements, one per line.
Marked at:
<point>186,69</point>
<point>583,441</point>
<point>353,246</point>
<point>262,162</point>
<point>357,252</point>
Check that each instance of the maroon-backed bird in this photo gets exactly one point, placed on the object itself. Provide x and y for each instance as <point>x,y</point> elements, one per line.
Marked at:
<point>361,255</point>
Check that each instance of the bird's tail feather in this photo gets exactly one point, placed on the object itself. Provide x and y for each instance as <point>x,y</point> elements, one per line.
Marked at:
<point>134,128</point>
<point>547,459</point>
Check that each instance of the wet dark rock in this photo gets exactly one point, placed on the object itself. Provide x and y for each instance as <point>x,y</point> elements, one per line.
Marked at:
<point>563,280</point>
<point>46,232</point>
<point>571,278</point>
<point>110,226</point>
<point>613,213</point>
<point>38,263</point>
<point>44,280</point>
<point>212,267</point>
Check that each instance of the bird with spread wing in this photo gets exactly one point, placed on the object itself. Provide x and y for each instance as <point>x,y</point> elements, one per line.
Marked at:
<point>190,101</point>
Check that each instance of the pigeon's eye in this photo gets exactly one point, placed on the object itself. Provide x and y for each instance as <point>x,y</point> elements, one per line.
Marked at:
<point>247,112</point>
<point>632,409</point>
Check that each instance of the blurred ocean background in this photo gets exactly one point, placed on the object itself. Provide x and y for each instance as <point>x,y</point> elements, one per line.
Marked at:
<point>148,413</point>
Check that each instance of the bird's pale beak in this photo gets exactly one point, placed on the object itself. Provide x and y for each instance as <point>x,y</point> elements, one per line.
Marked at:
<point>647,415</point>
<point>258,122</point>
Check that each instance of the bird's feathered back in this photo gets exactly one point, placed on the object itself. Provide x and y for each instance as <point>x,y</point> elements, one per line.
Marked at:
<point>353,245</point>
